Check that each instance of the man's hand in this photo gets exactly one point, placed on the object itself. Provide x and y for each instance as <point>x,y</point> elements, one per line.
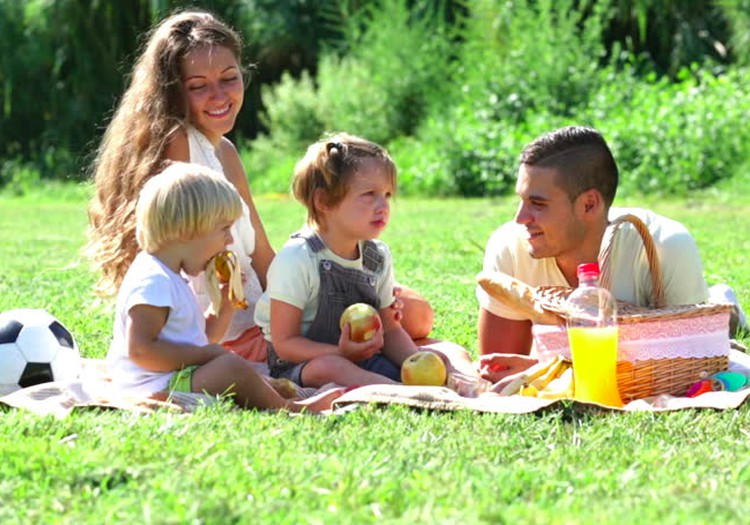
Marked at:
<point>496,367</point>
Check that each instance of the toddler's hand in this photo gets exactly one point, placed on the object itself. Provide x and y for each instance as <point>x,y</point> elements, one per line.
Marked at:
<point>356,352</point>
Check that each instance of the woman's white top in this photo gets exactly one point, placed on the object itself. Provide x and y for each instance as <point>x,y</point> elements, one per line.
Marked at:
<point>203,152</point>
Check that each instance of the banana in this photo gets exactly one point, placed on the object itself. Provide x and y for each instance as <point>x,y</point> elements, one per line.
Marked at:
<point>523,383</point>
<point>551,373</point>
<point>512,388</point>
<point>560,387</point>
<point>224,269</point>
<point>538,370</point>
<point>529,391</point>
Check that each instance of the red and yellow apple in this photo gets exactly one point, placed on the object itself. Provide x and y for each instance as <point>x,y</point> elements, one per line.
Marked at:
<point>424,368</point>
<point>363,321</point>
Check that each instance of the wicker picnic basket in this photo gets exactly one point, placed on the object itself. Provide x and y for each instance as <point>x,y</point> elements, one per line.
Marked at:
<point>649,330</point>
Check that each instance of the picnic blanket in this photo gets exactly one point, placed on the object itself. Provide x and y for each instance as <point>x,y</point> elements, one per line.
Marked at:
<point>92,390</point>
<point>441,398</point>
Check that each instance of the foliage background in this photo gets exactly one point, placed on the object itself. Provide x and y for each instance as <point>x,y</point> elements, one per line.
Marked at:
<point>454,88</point>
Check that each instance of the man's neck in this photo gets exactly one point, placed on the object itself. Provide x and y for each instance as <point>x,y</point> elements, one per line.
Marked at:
<point>586,253</point>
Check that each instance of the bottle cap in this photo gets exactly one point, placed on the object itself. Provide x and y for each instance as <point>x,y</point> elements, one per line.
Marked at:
<point>588,269</point>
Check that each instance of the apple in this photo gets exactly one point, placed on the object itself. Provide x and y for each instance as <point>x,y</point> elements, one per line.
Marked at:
<point>363,321</point>
<point>285,388</point>
<point>424,368</point>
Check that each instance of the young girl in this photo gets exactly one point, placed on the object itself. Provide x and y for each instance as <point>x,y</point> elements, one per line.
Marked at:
<point>346,184</point>
<point>185,93</point>
<point>184,218</point>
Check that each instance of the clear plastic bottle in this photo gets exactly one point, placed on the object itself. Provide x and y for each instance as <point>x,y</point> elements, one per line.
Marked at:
<point>592,334</point>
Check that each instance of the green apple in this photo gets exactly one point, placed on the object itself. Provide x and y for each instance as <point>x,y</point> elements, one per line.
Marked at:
<point>424,368</point>
<point>363,321</point>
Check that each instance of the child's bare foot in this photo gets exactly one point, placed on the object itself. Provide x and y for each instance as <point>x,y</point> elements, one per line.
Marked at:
<point>318,402</point>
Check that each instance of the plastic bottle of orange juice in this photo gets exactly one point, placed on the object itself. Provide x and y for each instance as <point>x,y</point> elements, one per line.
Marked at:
<point>592,334</point>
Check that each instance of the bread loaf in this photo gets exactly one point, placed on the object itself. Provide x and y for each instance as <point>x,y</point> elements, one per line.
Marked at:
<point>517,295</point>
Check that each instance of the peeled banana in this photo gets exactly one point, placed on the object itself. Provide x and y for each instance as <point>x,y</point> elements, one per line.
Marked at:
<point>551,373</point>
<point>561,387</point>
<point>552,379</point>
<point>222,269</point>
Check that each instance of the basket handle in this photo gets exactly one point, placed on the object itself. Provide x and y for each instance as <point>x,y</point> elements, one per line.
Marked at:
<point>657,284</point>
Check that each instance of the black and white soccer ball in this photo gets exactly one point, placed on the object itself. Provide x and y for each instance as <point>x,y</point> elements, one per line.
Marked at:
<point>35,348</point>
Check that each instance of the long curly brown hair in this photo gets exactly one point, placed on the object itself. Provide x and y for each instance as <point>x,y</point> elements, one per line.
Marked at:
<point>132,150</point>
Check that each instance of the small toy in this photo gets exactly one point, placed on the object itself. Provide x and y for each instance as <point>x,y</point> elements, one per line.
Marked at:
<point>718,382</point>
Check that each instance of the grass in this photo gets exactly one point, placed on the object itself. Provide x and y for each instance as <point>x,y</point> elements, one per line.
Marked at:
<point>390,465</point>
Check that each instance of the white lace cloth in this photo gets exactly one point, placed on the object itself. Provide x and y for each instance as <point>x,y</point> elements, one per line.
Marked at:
<point>706,336</point>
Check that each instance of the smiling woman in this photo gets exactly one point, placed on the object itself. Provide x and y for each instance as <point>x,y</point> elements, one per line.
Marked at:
<point>186,91</point>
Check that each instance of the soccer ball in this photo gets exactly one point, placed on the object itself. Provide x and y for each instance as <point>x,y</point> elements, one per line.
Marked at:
<point>35,348</point>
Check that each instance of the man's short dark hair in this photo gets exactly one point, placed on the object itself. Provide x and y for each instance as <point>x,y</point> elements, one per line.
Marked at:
<point>581,157</point>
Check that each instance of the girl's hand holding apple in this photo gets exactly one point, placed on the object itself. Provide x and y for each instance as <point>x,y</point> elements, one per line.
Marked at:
<point>355,351</point>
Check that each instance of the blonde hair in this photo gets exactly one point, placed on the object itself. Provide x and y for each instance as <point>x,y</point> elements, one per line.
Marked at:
<point>183,202</point>
<point>152,109</point>
<point>327,169</point>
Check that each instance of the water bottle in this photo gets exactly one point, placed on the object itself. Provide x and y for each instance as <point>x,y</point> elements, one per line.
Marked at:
<point>592,334</point>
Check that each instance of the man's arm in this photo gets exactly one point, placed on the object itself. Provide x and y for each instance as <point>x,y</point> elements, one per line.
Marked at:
<point>501,335</point>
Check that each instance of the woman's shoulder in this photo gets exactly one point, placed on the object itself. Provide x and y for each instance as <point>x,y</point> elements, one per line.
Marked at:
<point>178,146</point>
<point>226,146</point>
<point>229,156</point>
<point>233,167</point>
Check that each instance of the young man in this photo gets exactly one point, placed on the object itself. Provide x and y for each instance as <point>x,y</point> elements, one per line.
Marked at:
<point>566,183</point>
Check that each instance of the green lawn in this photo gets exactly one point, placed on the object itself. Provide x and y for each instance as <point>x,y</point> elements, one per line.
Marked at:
<point>371,465</point>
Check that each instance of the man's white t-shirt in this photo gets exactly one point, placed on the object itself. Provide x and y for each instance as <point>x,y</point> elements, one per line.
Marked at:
<point>149,282</point>
<point>681,266</point>
<point>294,278</point>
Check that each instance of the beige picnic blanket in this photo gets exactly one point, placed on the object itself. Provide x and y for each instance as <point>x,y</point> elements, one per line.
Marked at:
<point>442,398</point>
<point>93,390</point>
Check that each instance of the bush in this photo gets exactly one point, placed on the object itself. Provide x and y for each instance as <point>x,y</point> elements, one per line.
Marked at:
<point>393,72</point>
<point>526,70</point>
<point>524,67</point>
<point>291,114</point>
<point>672,138</point>
<point>381,86</point>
